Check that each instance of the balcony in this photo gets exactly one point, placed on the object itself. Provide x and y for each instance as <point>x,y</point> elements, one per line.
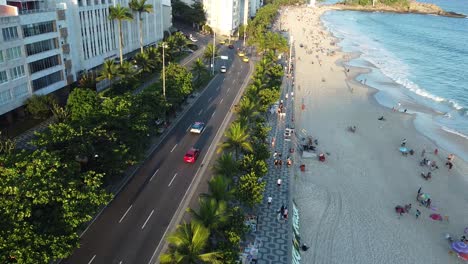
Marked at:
<point>68,65</point>
<point>63,32</point>
<point>66,48</point>
<point>61,14</point>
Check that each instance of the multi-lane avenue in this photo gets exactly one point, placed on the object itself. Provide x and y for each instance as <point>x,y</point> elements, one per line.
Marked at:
<point>131,227</point>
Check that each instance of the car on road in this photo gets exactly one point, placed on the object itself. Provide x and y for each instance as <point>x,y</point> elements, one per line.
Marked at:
<point>241,54</point>
<point>231,46</point>
<point>197,127</point>
<point>192,38</point>
<point>191,155</point>
<point>245,59</point>
<point>223,69</point>
<point>222,42</point>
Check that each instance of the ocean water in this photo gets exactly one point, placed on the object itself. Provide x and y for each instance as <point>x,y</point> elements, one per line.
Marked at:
<point>418,60</point>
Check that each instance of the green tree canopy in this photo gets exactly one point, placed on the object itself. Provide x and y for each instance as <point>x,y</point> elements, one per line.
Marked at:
<point>84,104</point>
<point>249,190</point>
<point>178,82</point>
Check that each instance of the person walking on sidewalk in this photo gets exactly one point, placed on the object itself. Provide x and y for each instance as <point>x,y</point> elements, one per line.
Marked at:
<point>278,182</point>
<point>269,199</point>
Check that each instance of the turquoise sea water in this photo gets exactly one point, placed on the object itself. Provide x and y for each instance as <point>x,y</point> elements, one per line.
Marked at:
<point>414,59</point>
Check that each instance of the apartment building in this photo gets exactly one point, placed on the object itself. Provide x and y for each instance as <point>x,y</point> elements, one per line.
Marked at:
<point>225,16</point>
<point>49,44</point>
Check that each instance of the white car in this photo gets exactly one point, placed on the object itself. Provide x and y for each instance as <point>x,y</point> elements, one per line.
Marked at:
<point>223,69</point>
<point>197,127</point>
<point>192,38</point>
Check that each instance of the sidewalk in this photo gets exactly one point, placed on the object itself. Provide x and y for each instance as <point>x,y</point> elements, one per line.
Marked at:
<point>274,234</point>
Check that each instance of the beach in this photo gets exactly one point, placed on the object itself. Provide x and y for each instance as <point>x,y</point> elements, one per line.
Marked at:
<point>346,204</point>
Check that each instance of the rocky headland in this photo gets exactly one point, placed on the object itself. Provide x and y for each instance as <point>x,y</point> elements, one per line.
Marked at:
<point>411,7</point>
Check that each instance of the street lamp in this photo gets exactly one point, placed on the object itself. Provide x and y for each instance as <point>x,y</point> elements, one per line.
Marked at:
<point>214,49</point>
<point>164,69</point>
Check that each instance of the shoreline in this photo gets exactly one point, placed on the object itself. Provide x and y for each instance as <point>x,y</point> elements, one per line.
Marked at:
<point>346,203</point>
<point>448,139</point>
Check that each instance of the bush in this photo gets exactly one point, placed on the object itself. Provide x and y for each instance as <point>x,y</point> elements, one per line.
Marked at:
<point>40,106</point>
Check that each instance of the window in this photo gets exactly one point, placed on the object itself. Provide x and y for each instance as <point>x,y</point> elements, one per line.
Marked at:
<point>5,97</point>
<point>17,72</point>
<point>38,28</point>
<point>13,53</point>
<point>10,33</point>
<point>41,46</point>
<point>47,80</point>
<point>20,90</point>
<point>3,77</point>
<point>80,2</point>
<point>1,56</point>
<point>43,64</point>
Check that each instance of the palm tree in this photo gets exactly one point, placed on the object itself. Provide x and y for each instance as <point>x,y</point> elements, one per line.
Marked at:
<point>211,213</point>
<point>155,57</point>
<point>109,72</point>
<point>208,53</point>
<point>143,61</point>
<point>198,69</point>
<point>247,109</point>
<point>219,187</point>
<point>127,70</point>
<point>140,7</point>
<point>120,13</point>
<point>237,138</point>
<point>226,165</point>
<point>188,243</point>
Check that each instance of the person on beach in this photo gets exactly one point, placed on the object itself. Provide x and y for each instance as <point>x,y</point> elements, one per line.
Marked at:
<point>436,151</point>
<point>428,203</point>
<point>423,153</point>
<point>418,213</point>
<point>419,190</point>
<point>403,143</point>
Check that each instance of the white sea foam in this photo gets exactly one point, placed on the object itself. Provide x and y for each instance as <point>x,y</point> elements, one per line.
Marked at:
<point>452,131</point>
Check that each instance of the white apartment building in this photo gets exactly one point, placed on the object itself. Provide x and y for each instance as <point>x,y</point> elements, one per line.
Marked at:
<point>48,44</point>
<point>225,16</point>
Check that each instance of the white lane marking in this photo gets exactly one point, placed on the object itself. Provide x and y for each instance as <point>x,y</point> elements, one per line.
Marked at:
<point>229,89</point>
<point>154,174</point>
<point>92,259</point>
<point>201,111</point>
<point>213,113</point>
<point>120,262</point>
<point>149,216</point>
<point>126,212</point>
<point>189,127</point>
<point>174,147</point>
<point>172,180</point>
<point>209,99</point>
<point>221,100</point>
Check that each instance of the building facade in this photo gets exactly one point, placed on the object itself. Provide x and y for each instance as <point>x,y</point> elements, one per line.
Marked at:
<point>225,16</point>
<point>49,44</point>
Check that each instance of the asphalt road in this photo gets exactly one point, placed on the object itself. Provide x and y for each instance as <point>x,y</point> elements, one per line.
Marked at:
<point>131,227</point>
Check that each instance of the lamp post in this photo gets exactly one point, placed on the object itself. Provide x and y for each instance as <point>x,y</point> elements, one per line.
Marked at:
<point>164,70</point>
<point>214,51</point>
<point>290,53</point>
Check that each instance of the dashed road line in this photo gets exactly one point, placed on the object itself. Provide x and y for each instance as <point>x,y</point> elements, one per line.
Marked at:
<point>221,100</point>
<point>149,216</point>
<point>154,174</point>
<point>91,260</point>
<point>172,180</point>
<point>174,147</point>
<point>213,113</point>
<point>201,111</point>
<point>126,212</point>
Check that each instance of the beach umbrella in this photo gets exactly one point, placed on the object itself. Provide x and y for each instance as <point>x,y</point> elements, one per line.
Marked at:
<point>437,217</point>
<point>460,247</point>
<point>463,256</point>
<point>424,196</point>
<point>403,149</point>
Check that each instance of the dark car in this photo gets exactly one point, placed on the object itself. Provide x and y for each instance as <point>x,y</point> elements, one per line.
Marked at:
<point>231,46</point>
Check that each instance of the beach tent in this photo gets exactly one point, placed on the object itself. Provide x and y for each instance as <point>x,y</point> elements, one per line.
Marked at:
<point>460,247</point>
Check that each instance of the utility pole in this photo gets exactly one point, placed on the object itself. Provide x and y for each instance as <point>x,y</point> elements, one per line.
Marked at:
<point>164,70</point>
<point>214,51</point>
<point>291,40</point>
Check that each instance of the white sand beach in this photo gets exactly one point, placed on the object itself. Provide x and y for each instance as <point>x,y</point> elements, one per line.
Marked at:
<point>346,203</point>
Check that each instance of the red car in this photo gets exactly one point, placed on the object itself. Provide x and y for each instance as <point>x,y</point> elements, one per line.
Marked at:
<point>191,155</point>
